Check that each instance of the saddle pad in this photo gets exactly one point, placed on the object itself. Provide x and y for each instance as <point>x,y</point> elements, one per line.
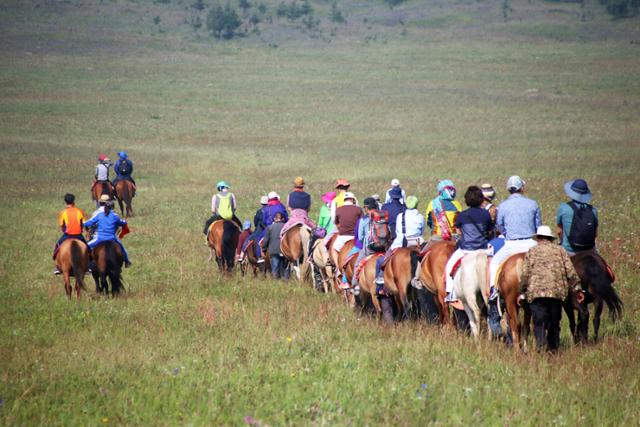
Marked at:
<point>363,262</point>
<point>353,253</point>
<point>455,267</point>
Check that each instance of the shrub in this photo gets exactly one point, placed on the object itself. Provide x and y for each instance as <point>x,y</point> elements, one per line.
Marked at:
<point>336,15</point>
<point>223,22</point>
<point>621,8</point>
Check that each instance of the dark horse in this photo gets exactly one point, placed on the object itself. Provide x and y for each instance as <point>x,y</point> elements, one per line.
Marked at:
<point>73,260</point>
<point>223,239</point>
<point>598,285</point>
<point>108,264</point>
<point>251,260</point>
<point>125,190</point>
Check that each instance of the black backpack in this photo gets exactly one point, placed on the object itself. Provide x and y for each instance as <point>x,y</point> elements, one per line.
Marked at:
<point>582,235</point>
<point>124,168</point>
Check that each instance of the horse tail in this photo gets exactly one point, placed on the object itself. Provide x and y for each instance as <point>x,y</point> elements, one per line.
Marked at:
<point>76,263</point>
<point>113,263</point>
<point>600,284</point>
<point>229,243</point>
<point>126,197</point>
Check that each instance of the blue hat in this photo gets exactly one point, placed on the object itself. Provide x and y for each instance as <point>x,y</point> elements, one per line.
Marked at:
<point>395,193</point>
<point>578,190</point>
<point>444,184</point>
<point>122,155</point>
<point>246,224</point>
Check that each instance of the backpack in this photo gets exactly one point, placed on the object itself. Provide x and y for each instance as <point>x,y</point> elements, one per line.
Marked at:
<point>379,235</point>
<point>582,235</point>
<point>124,168</point>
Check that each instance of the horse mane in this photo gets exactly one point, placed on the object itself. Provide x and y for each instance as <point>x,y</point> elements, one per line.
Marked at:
<point>594,269</point>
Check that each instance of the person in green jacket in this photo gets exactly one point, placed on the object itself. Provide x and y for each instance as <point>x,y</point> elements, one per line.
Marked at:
<point>324,220</point>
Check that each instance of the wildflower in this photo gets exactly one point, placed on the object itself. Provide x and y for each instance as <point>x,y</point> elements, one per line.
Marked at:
<point>105,420</point>
<point>289,339</point>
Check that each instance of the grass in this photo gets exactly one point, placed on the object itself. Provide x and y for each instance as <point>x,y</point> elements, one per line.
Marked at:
<point>474,100</point>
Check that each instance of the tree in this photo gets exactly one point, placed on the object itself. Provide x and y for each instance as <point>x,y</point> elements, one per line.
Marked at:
<point>223,22</point>
<point>336,15</point>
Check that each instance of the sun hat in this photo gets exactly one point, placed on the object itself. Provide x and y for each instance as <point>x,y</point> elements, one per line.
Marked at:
<point>412,202</point>
<point>328,197</point>
<point>488,192</point>
<point>395,193</point>
<point>298,182</point>
<point>395,182</point>
<point>544,231</point>
<point>264,200</point>
<point>222,184</point>
<point>342,183</point>
<point>273,195</point>
<point>578,190</point>
<point>105,198</point>
<point>515,183</point>
<point>370,203</point>
<point>122,155</point>
<point>349,195</point>
<point>246,224</point>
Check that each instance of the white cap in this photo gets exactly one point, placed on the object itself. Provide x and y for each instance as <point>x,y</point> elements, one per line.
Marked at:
<point>273,195</point>
<point>395,182</point>
<point>264,200</point>
<point>515,183</point>
<point>349,195</point>
<point>544,231</point>
<point>105,198</point>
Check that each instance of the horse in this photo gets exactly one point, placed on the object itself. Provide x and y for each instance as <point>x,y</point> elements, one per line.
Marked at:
<point>295,247</point>
<point>432,269</point>
<point>346,267</point>
<point>321,266</point>
<point>367,281</point>
<point>100,188</point>
<point>73,260</point>
<point>398,273</point>
<point>222,240</point>
<point>108,264</point>
<point>251,260</point>
<point>469,284</point>
<point>125,190</point>
<point>508,285</point>
<point>597,283</point>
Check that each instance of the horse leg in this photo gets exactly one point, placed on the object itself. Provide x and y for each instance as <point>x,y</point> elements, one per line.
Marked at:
<point>583,323</point>
<point>114,278</point>
<point>67,283</point>
<point>512,312</point>
<point>568,309</point>
<point>122,211</point>
<point>104,284</point>
<point>597,312</point>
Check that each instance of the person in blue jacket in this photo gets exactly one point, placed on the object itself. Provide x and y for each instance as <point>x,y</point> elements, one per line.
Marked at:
<point>107,224</point>
<point>123,168</point>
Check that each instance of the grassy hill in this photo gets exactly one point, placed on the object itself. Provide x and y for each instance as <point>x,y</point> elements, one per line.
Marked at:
<point>422,91</point>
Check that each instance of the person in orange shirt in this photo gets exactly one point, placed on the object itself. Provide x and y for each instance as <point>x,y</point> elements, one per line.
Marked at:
<point>70,221</point>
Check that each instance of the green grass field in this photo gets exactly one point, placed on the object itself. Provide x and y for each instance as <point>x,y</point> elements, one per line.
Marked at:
<point>451,92</point>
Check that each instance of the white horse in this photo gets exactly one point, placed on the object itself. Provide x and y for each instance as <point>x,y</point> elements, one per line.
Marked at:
<point>321,263</point>
<point>469,282</point>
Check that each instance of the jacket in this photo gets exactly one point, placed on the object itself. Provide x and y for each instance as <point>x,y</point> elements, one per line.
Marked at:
<point>547,272</point>
<point>271,240</point>
<point>394,207</point>
<point>269,212</point>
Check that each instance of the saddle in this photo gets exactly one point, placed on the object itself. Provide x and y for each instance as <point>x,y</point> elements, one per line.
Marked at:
<point>352,254</point>
<point>363,262</point>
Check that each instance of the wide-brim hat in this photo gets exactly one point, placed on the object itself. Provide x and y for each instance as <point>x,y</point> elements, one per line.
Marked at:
<point>298,182</point>
<point>545,231</point>
<point>578,190</point>
<point>488,192</point>
<point>342,183</point>
<point>328,197</point>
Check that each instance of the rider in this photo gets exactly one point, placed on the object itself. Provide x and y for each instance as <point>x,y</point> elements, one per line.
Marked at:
<point>409,227</point>
<point>107,223</point>
<point>123,168</point>
<point>342,186</point>
<point>70,221</point>
<point>246,232</point>
<point>578,191</point>
<point>298,202</point>
<point>395,183</point>
<point>271,244</point>
<point>258,231</point>
<point>324,219</point>
<point>394,207</point>
<point>274,205</point>
<point>442,211</point>
<point>102,171</point>
<point>474,225</point>
<point>364,235</point>
<point>518,219</point>
<point>223,206</point>
<point>346,220</point>
<point>488,195</point>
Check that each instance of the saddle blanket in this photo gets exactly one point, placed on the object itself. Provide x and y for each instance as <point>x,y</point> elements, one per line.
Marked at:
<point>363,262</point>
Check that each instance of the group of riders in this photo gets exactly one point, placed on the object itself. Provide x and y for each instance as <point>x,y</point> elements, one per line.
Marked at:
<point>380,227</point>
<point>104,222</point>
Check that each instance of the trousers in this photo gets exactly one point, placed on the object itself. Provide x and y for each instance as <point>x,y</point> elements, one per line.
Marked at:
<point>546,314</point>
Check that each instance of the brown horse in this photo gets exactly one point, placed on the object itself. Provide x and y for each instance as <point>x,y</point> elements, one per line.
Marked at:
<point>598,284</point>
<point>101,188</point>
<point>251,261</point>
<point>508,284</point>
<point>125,190</point>
<point>73,260</point>
<point>345,267</point>
<point>222,240</point>
<point>108,264</point>
<point>367,281</point>
<point>295,247</point>
<point>397,277</point>
<point>432,273</point>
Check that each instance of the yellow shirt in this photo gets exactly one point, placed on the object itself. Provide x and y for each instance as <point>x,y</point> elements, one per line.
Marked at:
<point>451,216</point>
